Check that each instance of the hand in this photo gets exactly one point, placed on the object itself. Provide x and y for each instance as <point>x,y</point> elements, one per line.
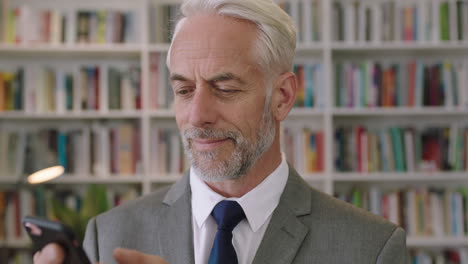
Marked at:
<point>50,254</point>
<point>128,256</point>
<point>54,254</point>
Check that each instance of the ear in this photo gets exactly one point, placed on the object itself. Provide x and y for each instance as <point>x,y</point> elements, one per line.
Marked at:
<point>284,95</point>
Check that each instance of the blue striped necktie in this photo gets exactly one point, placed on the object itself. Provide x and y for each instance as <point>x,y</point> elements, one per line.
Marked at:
<point>227,215</point>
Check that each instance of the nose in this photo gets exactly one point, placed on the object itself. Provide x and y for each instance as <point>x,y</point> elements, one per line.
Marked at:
<point>203,107</point>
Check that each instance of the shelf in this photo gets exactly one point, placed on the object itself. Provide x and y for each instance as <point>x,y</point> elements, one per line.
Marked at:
<point>16,115</point>
<point>314,48</point>
<point>306,112</point>
<point>400,47</point>
<point>162,113</point>
<point>78,179</point>
<point>9,180</point>
<point>438,242</point>
<point>101,179</point>
<point>400,177</point>
<point>165,178</point>
<point>313,177</point>
<point>400,111</point>
<point>160,47</point>
<point>114,49</point>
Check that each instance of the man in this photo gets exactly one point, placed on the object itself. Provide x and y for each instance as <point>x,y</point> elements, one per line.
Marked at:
<point>230,64</point>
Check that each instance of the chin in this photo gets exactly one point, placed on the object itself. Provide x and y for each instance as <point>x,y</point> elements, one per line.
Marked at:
<point>209,176</point>
<point>217,170</point>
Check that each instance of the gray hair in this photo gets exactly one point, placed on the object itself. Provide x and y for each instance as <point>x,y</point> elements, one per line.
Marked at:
<point>276,43</point>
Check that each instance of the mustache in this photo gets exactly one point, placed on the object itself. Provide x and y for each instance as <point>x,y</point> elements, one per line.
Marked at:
<point>211,133</point>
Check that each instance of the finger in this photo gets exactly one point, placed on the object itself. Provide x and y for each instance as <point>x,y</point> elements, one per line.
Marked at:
<point>50,254</point>
<point>129,256</point>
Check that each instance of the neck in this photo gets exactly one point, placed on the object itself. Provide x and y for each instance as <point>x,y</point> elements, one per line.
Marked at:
<point>265,165</point>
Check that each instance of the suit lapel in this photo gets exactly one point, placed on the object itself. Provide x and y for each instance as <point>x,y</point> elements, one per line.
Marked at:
<point>176,234</point>
<point>285,233</point>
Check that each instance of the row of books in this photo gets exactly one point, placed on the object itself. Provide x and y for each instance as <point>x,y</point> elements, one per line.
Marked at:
<point>163,19</point>
<point>421,211</point>
<point>401,149</point>
<point>307,18</point>
<point>124,148</point>
<point>124,88</point>
<point>24,152</point>
<point>310,85</point>
<point>11,90</point>
<point>304,148</point>
<point>82,149</point>
<point>401,84</point>
<point>27,24</point>
<point>395,20</point>
<point>58,89</point>
<point>160,92</point>
<point>449,256</point>
<point>167,155</point>
<point>15,204</point>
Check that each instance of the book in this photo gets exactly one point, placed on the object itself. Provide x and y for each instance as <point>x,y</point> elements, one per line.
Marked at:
<point>422,211</point>
<point>125,148</point>
<point>402,149</point>
<point>166,151</point>
<point>415,21</point>
<point>400,84</point>
<point>444,21</point>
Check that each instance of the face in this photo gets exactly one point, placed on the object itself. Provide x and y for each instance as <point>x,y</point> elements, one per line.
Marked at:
<point>220,96</point>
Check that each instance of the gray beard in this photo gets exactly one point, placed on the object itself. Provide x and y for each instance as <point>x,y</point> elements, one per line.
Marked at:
<point>246,152</point>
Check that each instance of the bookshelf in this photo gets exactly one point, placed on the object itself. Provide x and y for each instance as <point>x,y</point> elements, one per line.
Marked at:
<point>321,42</point>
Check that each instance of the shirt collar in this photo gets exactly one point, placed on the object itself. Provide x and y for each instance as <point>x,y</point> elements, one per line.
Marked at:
<point>258,204</point>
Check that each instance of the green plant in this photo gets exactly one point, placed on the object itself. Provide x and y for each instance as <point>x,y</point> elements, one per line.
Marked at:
<point>94,203</point>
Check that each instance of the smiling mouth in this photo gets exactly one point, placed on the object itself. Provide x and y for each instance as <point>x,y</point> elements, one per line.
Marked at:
<point>206,144</point>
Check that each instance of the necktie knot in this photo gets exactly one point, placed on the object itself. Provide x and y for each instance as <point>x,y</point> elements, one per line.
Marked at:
<point>227,215</point>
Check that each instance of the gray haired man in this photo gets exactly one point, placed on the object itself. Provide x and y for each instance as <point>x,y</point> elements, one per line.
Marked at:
<point>230,68</point>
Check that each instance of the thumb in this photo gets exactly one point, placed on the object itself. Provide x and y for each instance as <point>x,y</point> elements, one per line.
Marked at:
<point>129,256</point>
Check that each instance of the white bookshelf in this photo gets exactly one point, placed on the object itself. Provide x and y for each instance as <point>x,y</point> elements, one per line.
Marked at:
<point>326,51</point>
<point>408,177</point>
<point>401,111</point>
<point>400,46</point>
<point>100,179</point>
<point>437,242</point>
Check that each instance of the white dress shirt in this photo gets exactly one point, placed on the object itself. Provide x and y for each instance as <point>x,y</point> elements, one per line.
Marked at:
<point>258,206</point>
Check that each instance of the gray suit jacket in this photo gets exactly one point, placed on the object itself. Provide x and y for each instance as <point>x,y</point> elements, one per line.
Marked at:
<point>307,227</point>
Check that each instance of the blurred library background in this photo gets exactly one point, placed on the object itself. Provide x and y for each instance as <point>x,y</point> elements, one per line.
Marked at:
<point>381,117</point>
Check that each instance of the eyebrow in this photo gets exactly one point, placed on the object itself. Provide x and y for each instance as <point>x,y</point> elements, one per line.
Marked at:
<point>221,77</point>
<point>178,77</point>
<point>225,76</point>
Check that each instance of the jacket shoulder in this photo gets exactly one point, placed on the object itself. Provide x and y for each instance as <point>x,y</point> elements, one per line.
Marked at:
<point>147,204</point>
<point>354,234</point>
<point>341,213</point>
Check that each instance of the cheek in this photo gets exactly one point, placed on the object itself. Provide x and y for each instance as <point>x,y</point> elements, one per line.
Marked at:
<point>180,116</point>
<point>247,120</point>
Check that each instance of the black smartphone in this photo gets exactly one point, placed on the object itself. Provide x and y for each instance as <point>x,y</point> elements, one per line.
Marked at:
<point>43,231</point>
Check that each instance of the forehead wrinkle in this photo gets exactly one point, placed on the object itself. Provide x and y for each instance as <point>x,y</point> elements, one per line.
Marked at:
<point>204,52</point>
<point>209,68</point>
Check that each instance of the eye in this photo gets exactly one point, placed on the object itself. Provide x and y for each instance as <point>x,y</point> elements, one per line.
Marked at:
<point>184,90</point>
<point>225,89</point>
